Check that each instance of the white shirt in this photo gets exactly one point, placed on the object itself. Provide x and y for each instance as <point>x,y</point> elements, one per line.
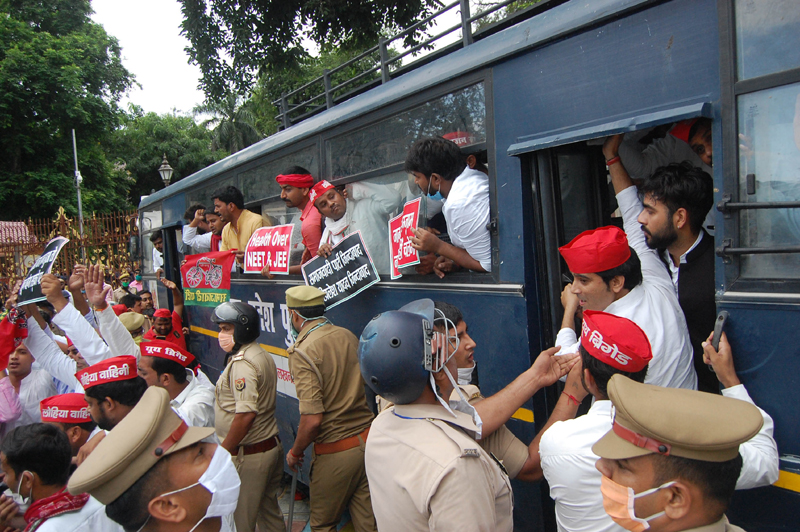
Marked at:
<point>195,405</point>
<point>89,344</point>
<point>568,464</point>
<point>466,211</point>
<point>91,518</point>
<point>653,306</point>
<point>676,270</point>
<point>37,385</point>
<point>50,358</point>
<point>158,260</point>
<point>200,243</point>
<point>119,339</point>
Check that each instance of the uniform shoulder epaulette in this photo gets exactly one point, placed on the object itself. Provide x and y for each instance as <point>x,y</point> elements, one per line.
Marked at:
<point>238,357</point>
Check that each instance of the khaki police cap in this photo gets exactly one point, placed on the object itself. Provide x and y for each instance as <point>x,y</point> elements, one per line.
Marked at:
<point>151,431</point>
<point>675,422</point>
<point>124,275</point>
<point>132,320</point>
<point>304,296</point>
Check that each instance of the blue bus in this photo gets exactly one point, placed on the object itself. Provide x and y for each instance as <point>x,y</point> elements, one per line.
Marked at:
<point>534,97</point>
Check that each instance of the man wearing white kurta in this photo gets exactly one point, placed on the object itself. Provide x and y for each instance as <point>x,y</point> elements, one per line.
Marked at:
<point>566,453</point>
<point>652,304</point>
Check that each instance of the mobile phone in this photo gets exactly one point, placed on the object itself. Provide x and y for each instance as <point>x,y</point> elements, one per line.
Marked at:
<point>719,324</point>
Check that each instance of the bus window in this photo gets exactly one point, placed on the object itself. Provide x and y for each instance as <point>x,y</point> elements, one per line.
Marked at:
<point>147,253</point>
<point>459,116</point>
<point>769,166</point>
<point>767,39</point>
<point>258,183</point>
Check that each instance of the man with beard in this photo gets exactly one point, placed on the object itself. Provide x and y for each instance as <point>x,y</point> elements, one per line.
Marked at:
<point>111,388</point>
<point>675,202</point>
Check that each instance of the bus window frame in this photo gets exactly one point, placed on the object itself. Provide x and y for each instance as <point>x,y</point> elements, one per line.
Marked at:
<point>728,272</point>
<point>472,78</point>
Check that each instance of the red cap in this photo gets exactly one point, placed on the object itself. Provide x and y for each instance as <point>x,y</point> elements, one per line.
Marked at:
<point>66,408</point>
<point>119,309</point>
<point>615,341</point>
<point>110,370</point>
<point>162,313</point>
<point>296,180</point>
<point>167,350</point>
<point>681,129</point>
<point>597,250</point>
<point>69,342</point>
<point>319,189</point>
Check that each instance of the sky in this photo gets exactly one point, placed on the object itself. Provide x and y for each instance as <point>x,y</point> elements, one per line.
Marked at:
<point>152,49</point>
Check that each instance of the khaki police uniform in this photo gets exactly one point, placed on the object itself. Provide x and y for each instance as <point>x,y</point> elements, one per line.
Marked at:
<point>249,384</point>
<point>324,365</point>
<point>426,472</point>
<point>676,422</point>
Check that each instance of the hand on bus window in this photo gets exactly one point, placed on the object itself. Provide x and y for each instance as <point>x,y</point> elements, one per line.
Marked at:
<point>425,266</point>
<point>265,272</point>
<point>611,146</point>
<point>424,240</point>
<point>324,250</point>
<point>721,361</point>
<point>443,265</point>
<point>548,368</point>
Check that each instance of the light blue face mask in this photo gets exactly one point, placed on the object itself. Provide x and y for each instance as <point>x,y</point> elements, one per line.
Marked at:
<point>438,196</point>
<point>294,332</point>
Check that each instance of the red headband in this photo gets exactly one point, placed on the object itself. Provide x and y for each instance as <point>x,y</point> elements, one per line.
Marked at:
<point>596,250</point>
<point>296,180</point>
<point>319,189</point>
<point>162,313</point>
<point>166,350</point>
<point>66,408</point>
<point>615,341</point>
<point>110,370</point>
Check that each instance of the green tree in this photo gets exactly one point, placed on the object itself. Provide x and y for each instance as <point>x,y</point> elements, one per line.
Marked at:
<point>138,146</point>
<point>58,71</point>
<point>236,42</point>
<point>233,124</point>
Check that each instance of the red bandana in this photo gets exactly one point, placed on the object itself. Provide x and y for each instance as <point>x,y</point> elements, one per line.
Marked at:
<point>60,503</point>
<point>296,180</point>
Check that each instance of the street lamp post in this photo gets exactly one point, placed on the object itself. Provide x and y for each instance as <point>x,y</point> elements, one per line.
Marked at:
<point>166,171</point>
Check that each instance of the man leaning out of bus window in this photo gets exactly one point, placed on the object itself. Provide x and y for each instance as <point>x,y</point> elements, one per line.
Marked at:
<point>440,170</point>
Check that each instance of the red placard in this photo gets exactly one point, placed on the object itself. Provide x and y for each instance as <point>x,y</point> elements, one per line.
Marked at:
<point>269,246</point>
<point>401,229</point>
<point>207,278</point>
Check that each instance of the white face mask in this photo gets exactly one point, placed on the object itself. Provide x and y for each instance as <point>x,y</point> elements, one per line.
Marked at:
<point>465,375</point>
<point>23,502</point>
<point>222,481</point>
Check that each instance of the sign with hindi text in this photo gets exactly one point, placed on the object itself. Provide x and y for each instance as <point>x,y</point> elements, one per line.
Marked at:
<point>401,229</point>
<point>31,289</point>
<point>269,246</point>
<point>345,273</point>
<point>207,278</point>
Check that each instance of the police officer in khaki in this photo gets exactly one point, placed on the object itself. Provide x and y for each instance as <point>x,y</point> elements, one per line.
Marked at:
<point>153,472</point>
<point>245,417</point>
<point>333,413</point>
<point>671,460</point>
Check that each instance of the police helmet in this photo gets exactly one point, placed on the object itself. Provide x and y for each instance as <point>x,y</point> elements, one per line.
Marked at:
<point>244,319</point>
<point>395,349</point>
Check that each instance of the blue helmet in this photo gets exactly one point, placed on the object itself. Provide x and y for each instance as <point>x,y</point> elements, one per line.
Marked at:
<point>395,352</point>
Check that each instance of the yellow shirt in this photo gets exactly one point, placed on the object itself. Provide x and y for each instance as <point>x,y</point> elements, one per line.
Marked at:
<point>249,383</point>
<point>237,237</point>
<point>328,380</point>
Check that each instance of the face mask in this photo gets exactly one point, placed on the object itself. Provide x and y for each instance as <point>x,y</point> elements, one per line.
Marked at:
<point>438,196</point>
<point>618,502</point>
<point>294,332</point>
<point>138,339</point>
<point>226,341</point>
<point>137,277</point>
<point>23,502</point>
<point>125,285</point>
<point>465,375</point>
<point>222,481</point>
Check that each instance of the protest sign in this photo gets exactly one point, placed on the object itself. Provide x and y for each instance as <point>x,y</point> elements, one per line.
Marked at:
<point>31,290</point>
<point>346,272</point>
<point>207,278</point>
<point>401,229</point>
<point>269,246</point>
